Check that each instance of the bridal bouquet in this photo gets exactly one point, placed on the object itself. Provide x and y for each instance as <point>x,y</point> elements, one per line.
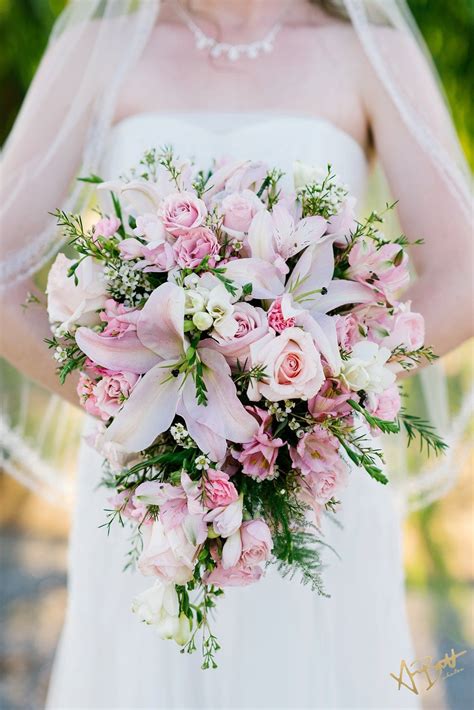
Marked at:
<point>238,340</point>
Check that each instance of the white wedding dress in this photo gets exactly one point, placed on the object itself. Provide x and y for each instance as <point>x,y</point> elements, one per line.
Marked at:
<point>282,645</point>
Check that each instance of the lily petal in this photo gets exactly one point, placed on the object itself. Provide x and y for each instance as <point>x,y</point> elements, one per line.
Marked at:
<point>149,410</point>
<point>341,292</point>
<point>260,237</point>
<point>160,326</point>
<point>141,196</point>
<point>313,271</point>
<point>308,231</point>
<point>232,550</point>
<point>224,413</point>
<point>124,354</point>
<point>195,529</point>
<point>263,276</point>
<point>323,330</point>
<point>208,441</point>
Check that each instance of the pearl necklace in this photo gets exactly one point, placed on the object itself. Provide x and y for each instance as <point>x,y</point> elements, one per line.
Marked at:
<point>233,52</point>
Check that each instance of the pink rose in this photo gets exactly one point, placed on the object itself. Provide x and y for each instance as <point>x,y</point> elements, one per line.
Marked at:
<point>248,176</point>
<point>182,211</point>
<point>191,248</point>
<point>292,366</point>
<point>384,268</point>
<point>347,330</point>
<point>258,457</point>
<point>87,397</point>
<point>236,576</point>
<point>168,554</point>
<point>251,326</point>
<point>331,401</point>
<point>120,319</point>
<point>150,227</point>
<point>257,543</point>
<point>386,405</point>
<point>316,452</point>
<point>106,227</point>
<point>156,257</point>
<point>317,488</point>
<point>218,489</point>
<point>407,330</point>
<point>112,391</point>
<point>238,210</point>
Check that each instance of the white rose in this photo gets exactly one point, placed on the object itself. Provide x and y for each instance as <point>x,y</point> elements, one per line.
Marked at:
<point>366,369</point>
<point>304,174</point>
<point>69,304</point>
<point>159,607</point>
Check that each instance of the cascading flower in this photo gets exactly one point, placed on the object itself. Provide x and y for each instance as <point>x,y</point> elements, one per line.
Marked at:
<point>238,339</point>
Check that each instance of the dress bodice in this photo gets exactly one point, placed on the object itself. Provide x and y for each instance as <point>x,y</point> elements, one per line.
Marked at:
<point>277,140</point>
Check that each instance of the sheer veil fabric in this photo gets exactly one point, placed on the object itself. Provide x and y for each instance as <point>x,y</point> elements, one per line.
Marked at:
<point>92,46</point>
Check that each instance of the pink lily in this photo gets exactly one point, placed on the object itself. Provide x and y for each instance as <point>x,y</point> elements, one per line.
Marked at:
<point>275,237</point>
<point>156,350</point>
<point>312,285</point>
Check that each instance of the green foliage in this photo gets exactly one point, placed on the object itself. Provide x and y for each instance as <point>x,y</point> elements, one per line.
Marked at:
<point>418,428</point>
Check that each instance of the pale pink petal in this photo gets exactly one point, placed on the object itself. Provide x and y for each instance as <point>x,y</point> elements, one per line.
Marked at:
<point>160,326</point>
<point>308,231</point>
<point>219,178</point>
<point>313,271</point>
<point>149,410</point>
<point>141,195</point>
<point>195,529</point>
<point>224,413</point>
<point>263,276</point>
<point>323,330</point>
<point>260,237</point>
<point>124,354</point>
<point>232,550</point>
<point>208,441</point>
<point>340,293</point>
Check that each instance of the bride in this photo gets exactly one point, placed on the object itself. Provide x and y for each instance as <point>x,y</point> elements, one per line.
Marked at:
<point>272,80</point>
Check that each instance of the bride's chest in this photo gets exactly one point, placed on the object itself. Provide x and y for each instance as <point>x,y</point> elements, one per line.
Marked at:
<point>204,137</point>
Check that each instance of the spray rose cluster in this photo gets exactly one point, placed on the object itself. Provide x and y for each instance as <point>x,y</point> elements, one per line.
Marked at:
<point>237,335</point>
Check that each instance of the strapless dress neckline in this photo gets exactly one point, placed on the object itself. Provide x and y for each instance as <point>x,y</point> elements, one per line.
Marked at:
<point>275,139</point>
<point>227,122</point>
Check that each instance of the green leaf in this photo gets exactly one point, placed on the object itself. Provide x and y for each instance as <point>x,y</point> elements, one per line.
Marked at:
<point>94,179</point>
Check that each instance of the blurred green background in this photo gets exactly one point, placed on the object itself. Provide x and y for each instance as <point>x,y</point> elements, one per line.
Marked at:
<point>439,539</point>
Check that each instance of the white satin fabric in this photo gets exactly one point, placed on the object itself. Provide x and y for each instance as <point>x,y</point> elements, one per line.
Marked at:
<point>282,645</point>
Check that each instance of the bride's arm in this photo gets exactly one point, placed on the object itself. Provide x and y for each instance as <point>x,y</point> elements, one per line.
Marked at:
<point>44,185</point>
<point>443,292</point>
